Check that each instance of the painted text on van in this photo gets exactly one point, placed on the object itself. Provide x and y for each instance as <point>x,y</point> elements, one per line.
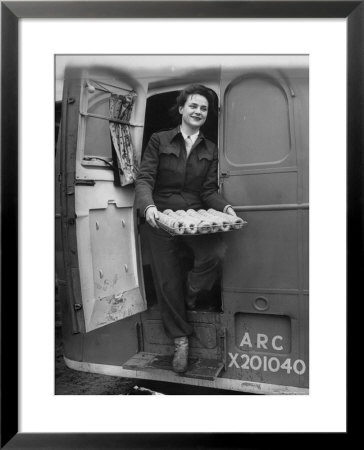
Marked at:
<point>266,363</point>
<point>262,342</point>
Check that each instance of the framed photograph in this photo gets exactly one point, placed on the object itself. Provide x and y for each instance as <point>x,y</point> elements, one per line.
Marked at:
<point>269,54</point>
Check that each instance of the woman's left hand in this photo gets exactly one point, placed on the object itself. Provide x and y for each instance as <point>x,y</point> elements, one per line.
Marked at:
<point>230,211</point>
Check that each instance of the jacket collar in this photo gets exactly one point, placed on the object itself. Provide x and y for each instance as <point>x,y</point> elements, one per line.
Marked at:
<point>202,151</point>
<point>177,131</point>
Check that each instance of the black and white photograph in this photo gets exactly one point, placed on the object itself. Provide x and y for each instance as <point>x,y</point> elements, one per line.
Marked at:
<point>182,224</point>
<point>181,200</point>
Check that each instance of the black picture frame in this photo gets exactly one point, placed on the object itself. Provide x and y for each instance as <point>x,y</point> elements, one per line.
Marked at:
<point>11,13</point>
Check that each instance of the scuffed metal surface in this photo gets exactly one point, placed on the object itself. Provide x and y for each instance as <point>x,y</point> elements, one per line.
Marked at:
<point>115,307</point>
<point>206,369</point>
<point>107,284</point>
<point>110,272</point>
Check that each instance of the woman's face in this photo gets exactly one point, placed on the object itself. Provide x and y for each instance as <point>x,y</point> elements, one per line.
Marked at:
<point>194,111</point>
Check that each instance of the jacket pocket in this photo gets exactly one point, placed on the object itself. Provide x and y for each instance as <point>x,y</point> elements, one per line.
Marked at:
<point>205,155</point>
<point>168,158</point>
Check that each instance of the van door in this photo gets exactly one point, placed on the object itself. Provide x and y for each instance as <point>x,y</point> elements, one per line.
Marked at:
<point>98,219</point>
<point>264,174</point>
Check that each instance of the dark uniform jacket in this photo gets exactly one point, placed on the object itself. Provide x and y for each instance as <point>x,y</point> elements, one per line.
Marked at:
<point>170,180</point>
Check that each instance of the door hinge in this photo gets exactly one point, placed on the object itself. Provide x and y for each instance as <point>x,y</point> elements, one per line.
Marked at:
<point>77,306</point>
<point>225,174</point>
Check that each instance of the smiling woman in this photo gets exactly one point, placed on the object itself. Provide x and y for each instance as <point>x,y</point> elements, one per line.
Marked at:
<point>179,172</point>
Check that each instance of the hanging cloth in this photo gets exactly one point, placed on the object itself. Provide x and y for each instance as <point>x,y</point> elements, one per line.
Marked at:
<point>124,158</point>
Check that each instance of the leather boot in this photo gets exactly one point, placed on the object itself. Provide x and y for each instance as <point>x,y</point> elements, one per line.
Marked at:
<point>180,359</point>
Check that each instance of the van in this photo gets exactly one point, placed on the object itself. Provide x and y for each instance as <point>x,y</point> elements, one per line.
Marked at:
<point>251,330</point>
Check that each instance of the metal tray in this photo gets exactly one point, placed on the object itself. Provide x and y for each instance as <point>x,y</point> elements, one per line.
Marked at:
<point>200,231</point>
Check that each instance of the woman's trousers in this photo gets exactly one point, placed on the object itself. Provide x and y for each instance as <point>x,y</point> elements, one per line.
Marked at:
<point>170,279</point>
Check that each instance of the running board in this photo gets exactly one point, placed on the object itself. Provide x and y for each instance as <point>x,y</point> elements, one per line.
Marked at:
<point>206,369</point>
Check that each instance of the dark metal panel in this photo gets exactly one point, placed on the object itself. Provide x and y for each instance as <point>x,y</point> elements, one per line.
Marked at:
<point>112,344</point>
<point>261,188</point>
<point>305,251</point>
<point>303,333</point>
<point>264,269</point>
<point>72,342</point>
<point>301,132</point>
<point>59,262</point>
<point>204,343</point>
<point>264,254</point>
<point>70,110</point>
<point>267,339</point>
<point>69,289</point>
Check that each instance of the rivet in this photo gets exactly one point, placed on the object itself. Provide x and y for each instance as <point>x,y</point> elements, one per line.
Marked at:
<point>97,225</point>
<point>101,273</point>
<point>123,223</point>
<point>126,267</point>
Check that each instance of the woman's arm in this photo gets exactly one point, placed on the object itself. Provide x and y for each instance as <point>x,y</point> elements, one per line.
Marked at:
<point>145,181</point>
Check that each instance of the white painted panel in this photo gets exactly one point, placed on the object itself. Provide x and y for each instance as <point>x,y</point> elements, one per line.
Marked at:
<point>110,284</point>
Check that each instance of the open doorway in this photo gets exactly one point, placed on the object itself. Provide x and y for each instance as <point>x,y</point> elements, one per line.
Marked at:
<point>159,117</point>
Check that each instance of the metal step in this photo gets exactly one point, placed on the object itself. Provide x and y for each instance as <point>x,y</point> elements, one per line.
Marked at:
<point>206,369</point>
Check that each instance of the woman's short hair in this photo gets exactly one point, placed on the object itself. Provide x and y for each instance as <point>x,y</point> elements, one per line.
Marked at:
<point>193,89</point>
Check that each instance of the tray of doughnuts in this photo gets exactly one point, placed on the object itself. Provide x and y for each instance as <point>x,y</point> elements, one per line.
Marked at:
<point>192,222</point>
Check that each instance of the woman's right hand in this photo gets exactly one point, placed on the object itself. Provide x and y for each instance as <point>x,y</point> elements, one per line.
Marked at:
<point>151,215</point>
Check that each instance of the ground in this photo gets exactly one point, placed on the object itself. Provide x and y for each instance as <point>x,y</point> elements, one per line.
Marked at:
<point>72,382</point>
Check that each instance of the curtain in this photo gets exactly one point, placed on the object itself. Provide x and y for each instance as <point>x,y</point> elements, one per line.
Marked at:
<point>124,157</point>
